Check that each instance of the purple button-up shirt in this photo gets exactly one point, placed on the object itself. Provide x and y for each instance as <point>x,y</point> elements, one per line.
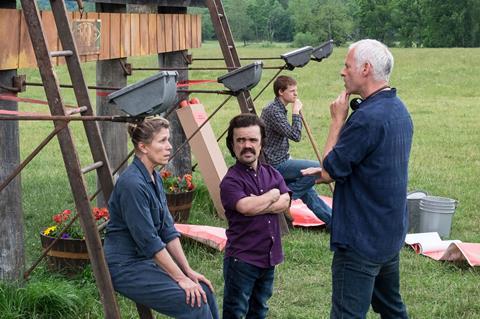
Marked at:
<point>253,239</point>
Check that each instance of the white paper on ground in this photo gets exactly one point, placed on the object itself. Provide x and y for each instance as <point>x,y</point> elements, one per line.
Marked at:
<point>428,242</point>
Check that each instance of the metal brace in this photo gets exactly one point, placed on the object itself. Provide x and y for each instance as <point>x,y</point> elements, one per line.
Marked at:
<point>127,68</point>
<point>187,57</point>
<point>18,84</point>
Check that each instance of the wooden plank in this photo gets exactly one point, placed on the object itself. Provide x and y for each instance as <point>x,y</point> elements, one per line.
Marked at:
<point>181,32</point>
<point>175,39</point>
<point>161,33</point>
<point>122,35</point>
<point>168,32</point>
<point>126,35</point>
<point>104,36</point>
<point>51,35</point>
<point>188,31</point>
<point>94,16</point>
<point>144,33</point>
<point>152,34</point>
<point>10,35</point>
<point>194,31</point>
<point>135,34</point>
<point>26,55</point>
<point>198,18</point>
<point>9,29</point>
<point>115,36</point>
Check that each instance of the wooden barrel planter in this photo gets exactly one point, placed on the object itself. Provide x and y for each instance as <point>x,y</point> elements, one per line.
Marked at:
<point>68,256</point>
<point>179,205</point>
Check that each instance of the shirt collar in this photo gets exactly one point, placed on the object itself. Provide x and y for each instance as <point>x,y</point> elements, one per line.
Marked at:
<point>247,168</point>
<point>141,167</point>
<point>280,105</point>
<point>384,94</point>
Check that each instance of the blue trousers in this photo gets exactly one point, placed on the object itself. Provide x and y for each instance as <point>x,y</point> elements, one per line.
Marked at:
<point>247,289</point>
<point>146,283</point>
<point>357,283</point>
<point>302,187</point>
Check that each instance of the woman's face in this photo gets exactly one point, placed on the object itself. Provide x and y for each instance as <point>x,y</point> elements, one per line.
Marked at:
<point>158,151</point>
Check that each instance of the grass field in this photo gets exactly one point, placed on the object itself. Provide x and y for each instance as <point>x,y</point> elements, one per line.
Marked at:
<point>439,86</point>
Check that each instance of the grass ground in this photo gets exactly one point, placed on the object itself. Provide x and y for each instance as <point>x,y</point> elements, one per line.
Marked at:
<point>439,86</point>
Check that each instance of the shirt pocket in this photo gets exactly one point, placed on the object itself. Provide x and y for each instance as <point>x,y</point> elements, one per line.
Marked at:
<point>155,212</point>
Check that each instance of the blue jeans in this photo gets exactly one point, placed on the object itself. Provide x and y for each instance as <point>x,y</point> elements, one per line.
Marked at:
<point>357,283</point>
<point>146,283</point>
<point>247,289</point>
<point>302,187</point>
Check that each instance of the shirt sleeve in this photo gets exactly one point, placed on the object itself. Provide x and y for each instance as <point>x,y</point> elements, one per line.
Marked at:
<point>352,146</point>
<point>168,231</point>
<point>231,191</point>
<point>279,123</point>
<point>137,214</point>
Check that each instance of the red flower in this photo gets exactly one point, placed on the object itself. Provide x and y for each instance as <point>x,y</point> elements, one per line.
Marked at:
<point>165,174</point>
<point>100,213</point>
<point>58,218</point>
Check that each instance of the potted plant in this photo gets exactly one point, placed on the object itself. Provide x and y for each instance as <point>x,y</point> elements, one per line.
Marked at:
<point>69,254</point>
<point>179,192</point>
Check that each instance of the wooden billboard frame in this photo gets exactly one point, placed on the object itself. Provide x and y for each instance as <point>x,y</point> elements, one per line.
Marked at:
<point>122,35</point>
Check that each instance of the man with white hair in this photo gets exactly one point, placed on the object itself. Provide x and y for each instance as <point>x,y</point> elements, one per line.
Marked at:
<point>367,156</point>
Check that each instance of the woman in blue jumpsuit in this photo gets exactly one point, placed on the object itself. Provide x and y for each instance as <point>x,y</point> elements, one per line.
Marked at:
<point>143,251</point>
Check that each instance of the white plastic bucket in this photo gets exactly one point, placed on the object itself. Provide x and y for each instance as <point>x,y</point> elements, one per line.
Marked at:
<point>436,214</point>
<point>413,203</point>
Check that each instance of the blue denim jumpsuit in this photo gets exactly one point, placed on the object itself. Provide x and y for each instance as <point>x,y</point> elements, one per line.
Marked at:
<point>140,226</point>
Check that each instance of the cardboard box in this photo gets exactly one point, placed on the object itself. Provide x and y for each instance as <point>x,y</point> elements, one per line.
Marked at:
<point>205,148</point>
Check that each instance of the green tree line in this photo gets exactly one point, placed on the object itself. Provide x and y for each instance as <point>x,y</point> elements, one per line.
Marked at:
<point>406,23</point>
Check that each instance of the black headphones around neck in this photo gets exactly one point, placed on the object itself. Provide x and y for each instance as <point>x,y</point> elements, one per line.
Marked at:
<point>355,102</point>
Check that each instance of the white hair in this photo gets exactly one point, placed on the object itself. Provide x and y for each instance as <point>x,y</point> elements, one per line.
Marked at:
<point>376,54</point>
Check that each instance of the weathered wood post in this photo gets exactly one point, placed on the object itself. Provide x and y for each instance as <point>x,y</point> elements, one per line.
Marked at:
<point>12,259</point>
<point>182,163</point>
<point>110,73</point>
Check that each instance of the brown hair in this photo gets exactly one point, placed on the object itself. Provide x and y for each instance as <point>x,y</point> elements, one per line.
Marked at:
<point>282,83</point>
<point>244,120</point>
<point>144,131</point>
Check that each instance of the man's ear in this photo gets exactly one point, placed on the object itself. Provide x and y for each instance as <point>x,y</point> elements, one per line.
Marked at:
<point>366,69</point>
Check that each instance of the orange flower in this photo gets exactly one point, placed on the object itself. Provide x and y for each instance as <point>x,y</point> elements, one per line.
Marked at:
<point>176,184</point>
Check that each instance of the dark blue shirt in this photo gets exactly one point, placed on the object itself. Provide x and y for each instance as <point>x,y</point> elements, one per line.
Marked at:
<point>140,223</point>
<point>370,166</point>
<point>253,239</point>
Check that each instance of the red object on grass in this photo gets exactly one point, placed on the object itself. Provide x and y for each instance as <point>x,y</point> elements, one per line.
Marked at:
<point>183,103</point>
<point>194,100</point>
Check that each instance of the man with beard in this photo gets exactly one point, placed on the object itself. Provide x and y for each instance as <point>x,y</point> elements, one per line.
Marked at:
<point>253,195</point>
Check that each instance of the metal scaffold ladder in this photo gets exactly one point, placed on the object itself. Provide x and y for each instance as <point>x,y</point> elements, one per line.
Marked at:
<point>67,146</point>
<point>229,51</point>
